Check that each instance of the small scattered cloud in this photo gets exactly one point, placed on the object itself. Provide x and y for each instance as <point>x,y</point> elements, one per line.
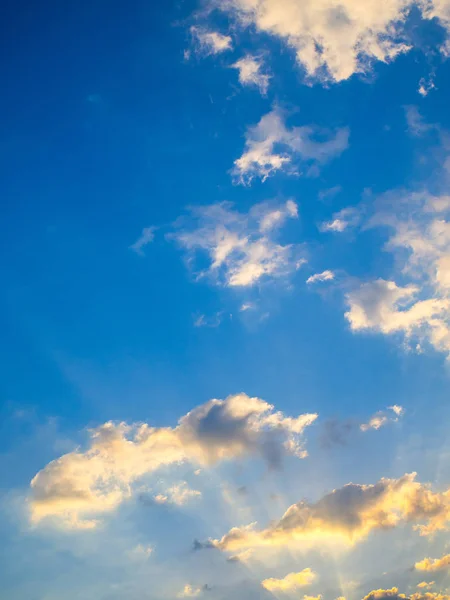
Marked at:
<point>426,85</point>
<point>242,248</point>
<point>208,321</point>
<point>251,73</point>
<point>270,146</point>
<point>211,42</point>
<point>321,277</point>
<point>329,193</point>
<point>147,236</point>
<point>342,220</point>
<point>383,417</point>
<point>425,585</point>
<point>432,565</point>
<point>291,582</point>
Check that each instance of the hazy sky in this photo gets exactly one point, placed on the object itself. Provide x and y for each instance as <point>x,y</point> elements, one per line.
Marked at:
<point>225,304</point>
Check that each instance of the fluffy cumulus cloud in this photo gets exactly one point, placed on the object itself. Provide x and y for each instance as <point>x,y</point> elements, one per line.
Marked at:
<point>251,73</point>
<point>419,238</point>
<point>290,583</point>
<point>79,486</point>
<point>271,146</point>
<point>333,41</point>
<point>242,249</point>
<point>394,594</point>
<point>348,515</point>
<point>432,565</point>
<point>383,417</point>
<point>210,42</point>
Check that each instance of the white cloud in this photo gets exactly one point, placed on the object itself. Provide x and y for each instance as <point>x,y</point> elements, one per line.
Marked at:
<point>81,485</point>
<point>211,42</point>
<point>382,418</point>
<point>178,494</point>
<point>250,73</point>
<point>242,248</point>
<point>385,307</point>
<point>342,220</point>
<point>291,583</point>
<point>146,237</point>
<point>333,41</point>
<point>419,238</point>
<point>348,515</point>
<point>320,277</point>
<point>270,146</point>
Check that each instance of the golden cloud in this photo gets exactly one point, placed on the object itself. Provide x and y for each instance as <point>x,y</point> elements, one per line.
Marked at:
<point>436,564</point>
<point>291,582</point>
<point>349,514</point>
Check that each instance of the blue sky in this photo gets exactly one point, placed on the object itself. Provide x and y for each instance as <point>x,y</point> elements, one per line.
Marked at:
<point>225,292</point>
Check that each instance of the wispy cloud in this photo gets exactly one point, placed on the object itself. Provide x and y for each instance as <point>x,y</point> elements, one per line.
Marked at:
<point>242,248</point>
<point>211,42</point>
<point>251,73</point>
<point>147,236</point>
<point>321,277</point>
<point>271,146</point>
<point>383,417</point>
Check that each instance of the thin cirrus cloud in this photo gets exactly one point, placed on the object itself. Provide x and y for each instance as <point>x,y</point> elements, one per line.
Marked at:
<point>178,494</point>
<point>291,582</point>
<point>242,248</point>
<point>210,42</point>
<point>333,41</point>
<point>147,236</point>
<point>81,485</point>
<point>271,146</point>
<point>251,73</point>
<point>348,514</point>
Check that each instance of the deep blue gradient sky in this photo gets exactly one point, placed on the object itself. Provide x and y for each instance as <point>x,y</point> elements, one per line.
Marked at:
<point>108,128</point>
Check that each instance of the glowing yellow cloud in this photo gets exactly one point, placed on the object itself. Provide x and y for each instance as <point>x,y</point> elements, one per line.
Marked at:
<point>430,564</point>
<point>291,582</point>
<point>349,514</point>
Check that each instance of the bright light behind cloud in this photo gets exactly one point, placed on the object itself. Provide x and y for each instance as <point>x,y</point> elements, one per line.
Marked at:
<point>79,486</point>
<point>348,515</point>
